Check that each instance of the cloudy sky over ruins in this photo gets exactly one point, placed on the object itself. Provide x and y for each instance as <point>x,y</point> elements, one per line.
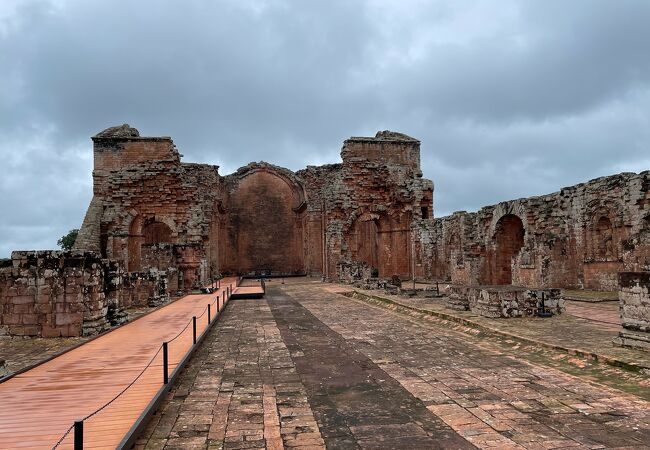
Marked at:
<point>509,98</point>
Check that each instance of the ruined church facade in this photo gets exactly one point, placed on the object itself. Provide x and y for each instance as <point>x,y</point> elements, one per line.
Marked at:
<point>150,210</point>
<point>158,226</point>
<point>371,214</point>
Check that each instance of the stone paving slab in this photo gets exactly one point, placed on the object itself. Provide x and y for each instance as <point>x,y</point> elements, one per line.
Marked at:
<point>491,397</point>
<point>308,368</point>
<point>576,335</point>
<point>240,390</point>
<point>20,352</point>
<point>355,402</point>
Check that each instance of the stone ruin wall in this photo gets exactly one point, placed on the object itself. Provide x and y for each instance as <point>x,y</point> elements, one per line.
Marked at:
<point>370,204</point>
<point>264,223</point>
<point>67,294</point>
<point>579,237</point>
<point>151,210</point>
<point>158,226</point>
<point>372,213</point>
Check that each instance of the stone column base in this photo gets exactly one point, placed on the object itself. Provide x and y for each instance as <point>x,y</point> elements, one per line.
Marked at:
<point>633,339</point>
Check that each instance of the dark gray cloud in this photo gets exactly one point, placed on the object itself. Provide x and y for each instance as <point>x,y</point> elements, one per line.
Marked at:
<point>510,99</point>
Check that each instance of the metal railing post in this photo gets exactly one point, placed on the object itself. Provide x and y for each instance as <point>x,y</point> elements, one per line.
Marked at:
<point>218,305</point>
<point>165,364</point>
<point>78,435</point>
<point>194,329</point>
<point>209,314</point>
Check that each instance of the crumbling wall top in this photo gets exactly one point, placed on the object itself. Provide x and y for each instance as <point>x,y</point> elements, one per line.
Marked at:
<point>387,147</point>
<point>121,146</point>
<point>385,135</point>
<point>119,131</point>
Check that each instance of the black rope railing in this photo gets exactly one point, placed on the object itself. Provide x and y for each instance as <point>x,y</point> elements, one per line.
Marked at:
<point>203,313</point>
<point>181,332</point>
<point>78,425</point>
<point>101,408</point>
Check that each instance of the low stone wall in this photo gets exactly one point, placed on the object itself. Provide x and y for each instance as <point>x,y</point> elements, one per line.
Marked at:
<point>503,301</point>
<point>64,294</point>
<point>52,294</point>
<point>634,301</point>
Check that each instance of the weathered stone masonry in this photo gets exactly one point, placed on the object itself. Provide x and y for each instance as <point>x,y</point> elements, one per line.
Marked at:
<point>151,210</point>
<point>62,294</point>
<point>579,237</point>
<point>159,225</point>
<point>370,214</point>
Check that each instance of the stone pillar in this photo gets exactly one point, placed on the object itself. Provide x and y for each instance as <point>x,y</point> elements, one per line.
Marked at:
<point>634,304</point>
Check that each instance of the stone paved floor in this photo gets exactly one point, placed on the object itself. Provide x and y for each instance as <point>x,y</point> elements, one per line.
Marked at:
<point>585,326</point>
<point>19,352</point>
<point>606,314</point>
<point>308,368</point>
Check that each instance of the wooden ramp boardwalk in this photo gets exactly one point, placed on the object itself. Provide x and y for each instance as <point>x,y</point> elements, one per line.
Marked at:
<point>40,405</point>
<point>249,288</point>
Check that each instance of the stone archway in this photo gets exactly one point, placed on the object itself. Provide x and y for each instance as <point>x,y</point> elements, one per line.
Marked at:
<point>155,232</point>
<point>383,243</point>
<point>263,231</point>
<point>509,239</point>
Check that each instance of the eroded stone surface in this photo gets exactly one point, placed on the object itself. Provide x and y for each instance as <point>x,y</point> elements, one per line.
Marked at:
<point>634,297</point>
<point>151,210</point>
<point>323,369</point>
<point>71,294</point>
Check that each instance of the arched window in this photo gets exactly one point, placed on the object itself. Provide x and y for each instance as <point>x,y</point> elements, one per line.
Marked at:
<point>603,239</point>
<point>157,233</point>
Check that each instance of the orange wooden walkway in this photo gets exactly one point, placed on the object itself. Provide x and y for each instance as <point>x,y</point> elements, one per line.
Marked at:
<point>39,405</point>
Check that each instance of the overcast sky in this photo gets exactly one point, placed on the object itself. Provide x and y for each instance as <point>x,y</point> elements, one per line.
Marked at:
<point>510,98</point>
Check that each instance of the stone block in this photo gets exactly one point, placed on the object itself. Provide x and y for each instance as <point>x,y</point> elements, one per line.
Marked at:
<point>23,300</point>
<point>29,319</point>
<point>68,318</point>
<point>50,332</point>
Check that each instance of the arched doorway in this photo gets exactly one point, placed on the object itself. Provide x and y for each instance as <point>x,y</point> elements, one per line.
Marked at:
<point>382,242</point>
<point>509,239</point>
<point>263,234</point>
<point>157,233</point>
<point>143,236</point>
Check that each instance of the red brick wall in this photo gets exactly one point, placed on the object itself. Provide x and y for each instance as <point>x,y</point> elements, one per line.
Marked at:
<point>115,154</point>
<point>263,232</point>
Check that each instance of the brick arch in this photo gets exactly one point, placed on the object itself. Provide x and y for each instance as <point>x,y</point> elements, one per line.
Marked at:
<point>508,240</point>
<point>382,241</point>
<point>263,226</point>
<point>146,230</point>
<point>156,232</point>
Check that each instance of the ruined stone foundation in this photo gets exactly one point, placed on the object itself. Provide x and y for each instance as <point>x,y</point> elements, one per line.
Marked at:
<point>634,299</point>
